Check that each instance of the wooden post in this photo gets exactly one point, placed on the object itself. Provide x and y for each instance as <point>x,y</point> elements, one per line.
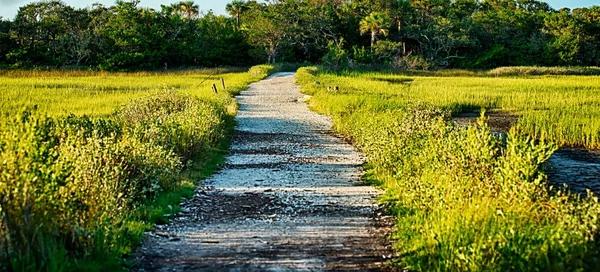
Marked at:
<point>214,88</point>
<point>223,83</point>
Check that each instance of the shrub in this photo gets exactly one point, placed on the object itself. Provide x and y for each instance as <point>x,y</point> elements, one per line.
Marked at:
<point>336,57</point>
<point>261,71</point>
<point>64,184</point>
<point>183,124</point>
<point>465,200</point>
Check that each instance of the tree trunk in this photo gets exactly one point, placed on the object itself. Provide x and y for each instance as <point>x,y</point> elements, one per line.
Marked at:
<point>237,21</point>
<point>373,35</point>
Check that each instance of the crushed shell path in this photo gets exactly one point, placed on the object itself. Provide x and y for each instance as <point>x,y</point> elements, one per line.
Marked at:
<point>288,198</point>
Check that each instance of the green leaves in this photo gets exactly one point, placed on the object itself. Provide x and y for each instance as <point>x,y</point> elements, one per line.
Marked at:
<point>376,23</point>
<point>68,184</point>
<point>465,199</point>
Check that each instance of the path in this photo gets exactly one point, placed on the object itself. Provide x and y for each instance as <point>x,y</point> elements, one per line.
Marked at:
<point>288,198</point>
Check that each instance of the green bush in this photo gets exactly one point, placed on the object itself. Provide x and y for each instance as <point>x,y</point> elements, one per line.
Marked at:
<point>68,185</point>
<point>336,57</point>
<point>183,124</point>
<point>64,183</point>
<point>261,71</point>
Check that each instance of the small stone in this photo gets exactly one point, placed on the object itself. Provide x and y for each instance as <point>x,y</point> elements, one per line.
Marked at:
<point>163,234</point>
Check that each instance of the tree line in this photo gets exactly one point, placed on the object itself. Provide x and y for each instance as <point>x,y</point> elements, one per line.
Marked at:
<point>398,33</point>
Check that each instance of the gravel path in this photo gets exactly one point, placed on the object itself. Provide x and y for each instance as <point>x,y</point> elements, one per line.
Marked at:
<point>288,199</point>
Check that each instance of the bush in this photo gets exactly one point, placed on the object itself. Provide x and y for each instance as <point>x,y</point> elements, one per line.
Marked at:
<point>336,57</point>
<point>64,183</point>
<point>464,199</point>
<point>261,71</point>
<point>183,124</point>
<point>68,185</point>
<point>387,51</point>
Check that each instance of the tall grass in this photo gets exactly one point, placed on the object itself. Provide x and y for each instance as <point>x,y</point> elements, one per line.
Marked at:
<point>564,109</point>
<point>98,93</point>
<point>465,200</point>
<point>77,192</point>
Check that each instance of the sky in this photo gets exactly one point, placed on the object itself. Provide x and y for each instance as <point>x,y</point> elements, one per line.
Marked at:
<point>8,8</point>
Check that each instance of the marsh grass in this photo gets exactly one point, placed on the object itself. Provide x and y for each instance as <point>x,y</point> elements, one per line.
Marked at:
<point>464,199</point>
<point>563,109</point>
<point>77,192</point>
<point>99,93</point>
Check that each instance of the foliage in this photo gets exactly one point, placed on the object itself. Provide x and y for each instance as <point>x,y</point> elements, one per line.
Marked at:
<point>121,37</point>
<point>465,200</point>
<point>76,193</point>
<point>376,23</point>
<point>165,119</point>
<point>465,33</point>
<point>336,58</point>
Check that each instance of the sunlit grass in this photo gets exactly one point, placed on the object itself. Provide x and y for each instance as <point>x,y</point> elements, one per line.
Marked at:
<point>78,192</point>
<point>464,199</point>
<point>99,93</point>
<point>565,109</point>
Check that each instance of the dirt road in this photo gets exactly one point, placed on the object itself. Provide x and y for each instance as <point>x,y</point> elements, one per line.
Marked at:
<point>288,199</point>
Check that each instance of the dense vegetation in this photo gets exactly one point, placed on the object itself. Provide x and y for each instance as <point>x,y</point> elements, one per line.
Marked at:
<point>563,109</point>
<point>465,199</point>
<point>420,34</point>
<point>90,159</point>
<point>77,192</point>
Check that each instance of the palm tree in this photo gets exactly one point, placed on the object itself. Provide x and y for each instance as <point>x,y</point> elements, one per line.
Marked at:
<point>376,23</point>
<point>236,8</point>
<point>189,9</point>
<point>168,10</point>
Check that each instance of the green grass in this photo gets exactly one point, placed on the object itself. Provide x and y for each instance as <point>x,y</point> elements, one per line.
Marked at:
<point>465,200</point>
<point>77,192</point>
<point>563,109</point>
<point>99,93</point>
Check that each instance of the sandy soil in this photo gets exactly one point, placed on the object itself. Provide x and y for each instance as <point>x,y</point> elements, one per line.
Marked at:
<point>288,199</point>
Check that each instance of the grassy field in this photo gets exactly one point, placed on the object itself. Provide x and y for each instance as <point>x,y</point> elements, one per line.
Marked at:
<point>100,93</point>
<point>466,200</point>
<point>102,158</point>
<point>563,109</point>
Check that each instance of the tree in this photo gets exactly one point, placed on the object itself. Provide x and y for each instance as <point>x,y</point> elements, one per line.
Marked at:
<point>376,23</point>
<point>37,27</point>
<point>236,8</point>
<point>75,42</point>
<point>189,9</point>
<point>266,33</point>
<point>568,36</point>
<point>6,41</point>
